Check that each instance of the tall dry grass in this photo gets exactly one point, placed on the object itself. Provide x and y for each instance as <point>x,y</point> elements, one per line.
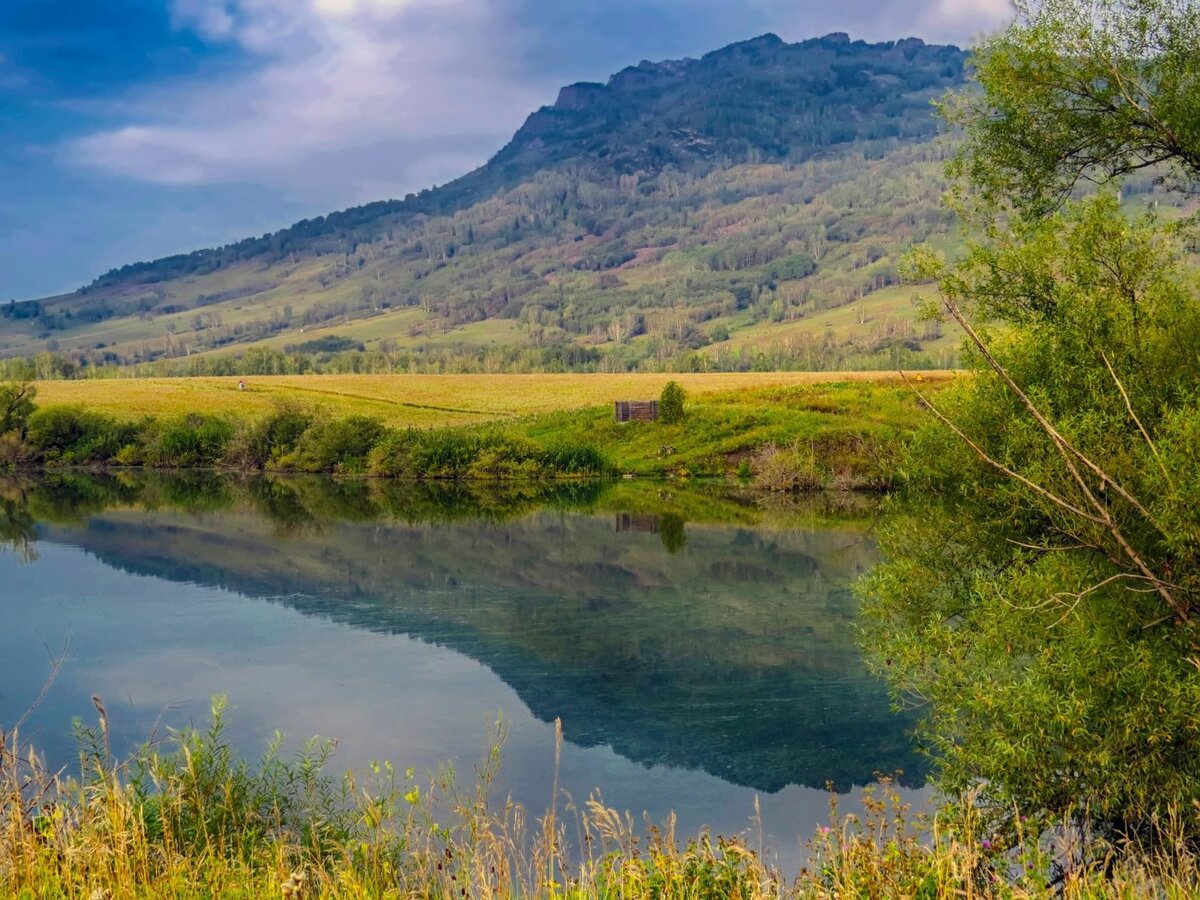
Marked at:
<point>185,817</point>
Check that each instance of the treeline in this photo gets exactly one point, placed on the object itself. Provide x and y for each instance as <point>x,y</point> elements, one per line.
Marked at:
<point>893,345</point>
<point>290,439</point>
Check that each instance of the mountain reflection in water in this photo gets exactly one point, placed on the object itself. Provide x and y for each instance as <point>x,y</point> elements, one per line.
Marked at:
<point>683,628</point>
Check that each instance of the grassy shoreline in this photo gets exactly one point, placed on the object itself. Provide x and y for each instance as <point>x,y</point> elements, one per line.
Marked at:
<point>807,436</point>
<point>189,818</point>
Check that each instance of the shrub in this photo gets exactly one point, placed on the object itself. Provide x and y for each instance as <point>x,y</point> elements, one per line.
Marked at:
<point>393,455</point>
<point>271,438</point>
<point>670,403</point>
<point>75,434</point>
<point>502,456</point>
<point>337,445</point>
<point>456,453</point>
<point>575,459</point>
<point>16,406</point>
<point>191,441</point>
<point>786,469</point>
<point>445,453</point>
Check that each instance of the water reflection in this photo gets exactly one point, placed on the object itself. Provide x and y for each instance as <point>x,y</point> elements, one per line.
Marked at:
<point>681,628</point>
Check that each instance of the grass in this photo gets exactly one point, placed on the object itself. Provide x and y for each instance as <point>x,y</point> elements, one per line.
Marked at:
<point>417,400</point>
<point>837,434</point>
<point>188,818</point>
<point>784,432</point>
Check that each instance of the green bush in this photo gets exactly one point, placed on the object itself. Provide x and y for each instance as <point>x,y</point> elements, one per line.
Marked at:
<point>271,438</point>
<point>336,445</point>
<point>497,455</point>
<point>75,435</point>
<point>16,406</point>
<point>393,455</point>
<point>575,459</point>
<point>670,403</point>
<point>502,456</point>
<point>191,441</point>
<point>445,453</point>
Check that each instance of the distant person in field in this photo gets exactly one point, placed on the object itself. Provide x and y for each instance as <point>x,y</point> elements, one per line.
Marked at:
<point>242,385</point>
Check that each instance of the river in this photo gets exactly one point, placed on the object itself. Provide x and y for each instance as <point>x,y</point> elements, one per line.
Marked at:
<point>697,644</point>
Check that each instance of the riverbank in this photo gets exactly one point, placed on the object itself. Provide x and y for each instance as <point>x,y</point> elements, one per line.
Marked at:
<point>842,434</point>
<point>189,818</point>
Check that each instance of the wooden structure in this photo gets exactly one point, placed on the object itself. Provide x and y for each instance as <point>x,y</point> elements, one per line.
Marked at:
<point>643,523</point>
<point>637,410</point>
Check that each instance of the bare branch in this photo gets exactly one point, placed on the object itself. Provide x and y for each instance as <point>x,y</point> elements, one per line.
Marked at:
<point>1058,501</point>
<point>1137,421</point>
<point>1069,453</point>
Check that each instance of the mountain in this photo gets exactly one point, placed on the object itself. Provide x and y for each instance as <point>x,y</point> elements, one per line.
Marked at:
<point>686,207</point>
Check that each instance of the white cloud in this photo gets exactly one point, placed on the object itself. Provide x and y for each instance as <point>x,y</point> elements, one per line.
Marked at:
<point>337,99</point>
<point>956,21</point>
<point>403,76</point>
<point>959,19</point>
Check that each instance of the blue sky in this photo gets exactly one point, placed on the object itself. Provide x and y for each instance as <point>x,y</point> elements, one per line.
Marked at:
<point>130,129</point>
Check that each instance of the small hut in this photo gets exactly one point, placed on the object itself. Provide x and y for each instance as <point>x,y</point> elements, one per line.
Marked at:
<point>637,410</point>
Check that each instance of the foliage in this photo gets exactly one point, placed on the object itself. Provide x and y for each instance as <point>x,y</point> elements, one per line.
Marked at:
<point>670,403</point>
<point>794,468</point>
<point>1079,91</point>
<point>1048,615</point>
<point>76,435</point>
<point>335,445</point>
<point>191,441</point>
<point>487,454</point>
<point>16,406</point>
<point>1044,584</point>
<point>272,437</point>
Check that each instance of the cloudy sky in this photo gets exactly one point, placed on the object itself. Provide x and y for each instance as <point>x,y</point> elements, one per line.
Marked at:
<point>130,129</point>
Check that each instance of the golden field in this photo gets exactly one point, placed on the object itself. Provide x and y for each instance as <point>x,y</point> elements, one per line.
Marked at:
<point>418,400</point>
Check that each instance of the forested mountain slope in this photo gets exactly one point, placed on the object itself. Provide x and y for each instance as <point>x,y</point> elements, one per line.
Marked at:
<point>744,209</point>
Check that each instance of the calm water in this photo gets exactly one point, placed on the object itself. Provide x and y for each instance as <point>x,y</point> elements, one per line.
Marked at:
<point>698,649</point>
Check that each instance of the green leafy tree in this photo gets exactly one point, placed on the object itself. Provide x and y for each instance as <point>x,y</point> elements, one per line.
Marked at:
<point>670,403</point>
<point>1043,590</point>
<point>16,406</point>
<point>1081,91</point>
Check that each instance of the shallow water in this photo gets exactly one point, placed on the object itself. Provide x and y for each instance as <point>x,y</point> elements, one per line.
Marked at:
<point>698,648</point>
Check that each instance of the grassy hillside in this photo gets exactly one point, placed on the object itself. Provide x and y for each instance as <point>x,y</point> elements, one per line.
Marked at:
<point>675,217</point>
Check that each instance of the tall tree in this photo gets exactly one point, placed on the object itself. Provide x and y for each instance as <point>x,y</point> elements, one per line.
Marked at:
<point>1043,593</point>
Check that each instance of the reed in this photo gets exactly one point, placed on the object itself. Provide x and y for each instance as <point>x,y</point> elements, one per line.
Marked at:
<point>186,817</point>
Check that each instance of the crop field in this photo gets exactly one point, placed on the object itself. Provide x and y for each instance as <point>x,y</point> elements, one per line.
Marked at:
<point>418,400</point>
